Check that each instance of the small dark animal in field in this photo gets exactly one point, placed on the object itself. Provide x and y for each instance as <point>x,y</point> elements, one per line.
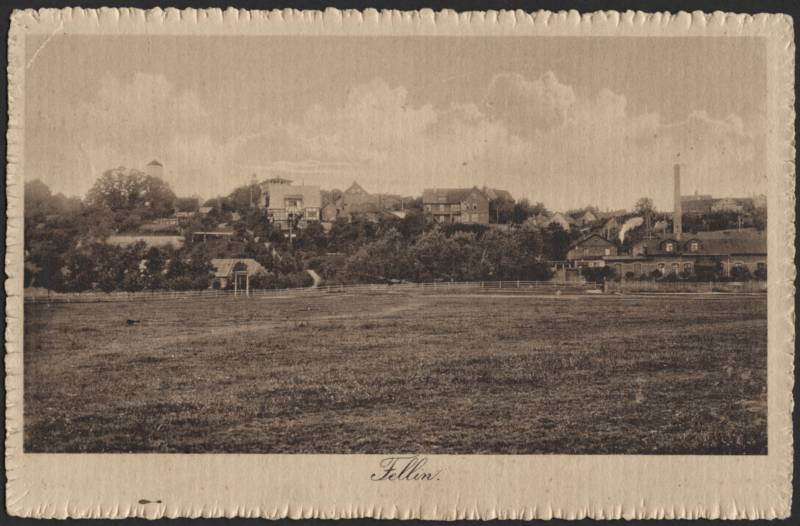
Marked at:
<point>132,322</point>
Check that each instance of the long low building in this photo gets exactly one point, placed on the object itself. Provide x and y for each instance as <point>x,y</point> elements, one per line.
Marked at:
<point>725,250</point>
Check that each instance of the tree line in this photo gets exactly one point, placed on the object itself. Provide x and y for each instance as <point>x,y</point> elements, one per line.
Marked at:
<point>67,250</point>
<point>66,245</point>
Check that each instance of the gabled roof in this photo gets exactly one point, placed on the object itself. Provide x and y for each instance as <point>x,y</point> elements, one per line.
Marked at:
<point>451,195</point>
<point>223,267</point>
<point>311,195</point>
<point>711,244</point>
<point>565,217</point>
<point>154,163</point>
<point>591,236</point>
<point>356,188</point>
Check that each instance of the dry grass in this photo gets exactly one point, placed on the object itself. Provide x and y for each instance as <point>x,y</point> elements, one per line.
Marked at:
<point>411,373</point>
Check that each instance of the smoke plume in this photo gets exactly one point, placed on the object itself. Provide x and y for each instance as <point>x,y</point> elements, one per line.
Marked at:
<point>629,224</point>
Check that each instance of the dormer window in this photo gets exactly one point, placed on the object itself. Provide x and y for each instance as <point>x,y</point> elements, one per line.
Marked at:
<point>694,246</point>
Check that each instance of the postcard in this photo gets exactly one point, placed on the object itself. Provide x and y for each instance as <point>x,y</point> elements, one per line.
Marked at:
<point>395,264</point>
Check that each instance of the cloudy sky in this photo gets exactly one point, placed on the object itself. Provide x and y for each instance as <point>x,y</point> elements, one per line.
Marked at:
<point>565,121</point>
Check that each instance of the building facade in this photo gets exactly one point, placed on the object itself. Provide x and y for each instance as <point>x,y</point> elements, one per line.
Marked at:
<point>725,252</point>
<point>291,206</point>
<point>590,251</point>
<point>456,205</point>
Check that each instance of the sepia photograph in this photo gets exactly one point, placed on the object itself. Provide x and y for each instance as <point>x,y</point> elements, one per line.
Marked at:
<point>535,253</point>
<point>400,246</point>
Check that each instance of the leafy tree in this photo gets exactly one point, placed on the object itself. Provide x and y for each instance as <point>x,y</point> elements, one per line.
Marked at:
<point>187,204</point>
<point>644,206</point>
<point>121,189</point>
<point>379,260</point>
<point>556,242</point>
<point>501,210</point>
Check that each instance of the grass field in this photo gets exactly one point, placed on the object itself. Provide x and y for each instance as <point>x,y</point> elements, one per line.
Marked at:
<point>400,372</point>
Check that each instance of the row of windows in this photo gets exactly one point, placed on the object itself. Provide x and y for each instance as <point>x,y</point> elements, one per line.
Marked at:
<point>454,207</point>
<point>685,267</point>
<point>669,246</point>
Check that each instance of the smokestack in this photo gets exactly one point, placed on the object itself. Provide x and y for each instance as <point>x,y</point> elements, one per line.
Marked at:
<point>677,214</point>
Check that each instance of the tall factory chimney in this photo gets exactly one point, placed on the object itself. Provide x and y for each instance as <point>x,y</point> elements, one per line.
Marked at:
<point>677,214</point>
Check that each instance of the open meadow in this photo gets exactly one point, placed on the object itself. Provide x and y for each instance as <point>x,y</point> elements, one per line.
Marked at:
<point>400,372</point>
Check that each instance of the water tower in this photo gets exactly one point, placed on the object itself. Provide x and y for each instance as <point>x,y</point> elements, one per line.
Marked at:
<point>155,169</point>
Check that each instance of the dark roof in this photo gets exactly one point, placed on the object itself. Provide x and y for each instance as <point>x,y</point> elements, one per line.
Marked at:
<point>711,244</point>
<point>451,195</point>
<point>587,238</point>
<point>277,180</point>
<point>154,163</point>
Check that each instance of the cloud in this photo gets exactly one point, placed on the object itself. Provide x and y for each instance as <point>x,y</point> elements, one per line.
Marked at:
<point>529,105</point>
<point>536,137</point>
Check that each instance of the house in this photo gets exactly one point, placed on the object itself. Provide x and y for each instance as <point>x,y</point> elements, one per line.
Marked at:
<point>494,193</point>
<point>204,210</point>
<point>267,185</point>
<point>227,271</point>
<point>456,205</point>
<point>590,251</point>
<point>356,196</point>
<point>727,250</point>
<point>563,220</point>
<point>586,218</point>
<point>728,205</point>
<point>222,231</point>
<point>291,206</point>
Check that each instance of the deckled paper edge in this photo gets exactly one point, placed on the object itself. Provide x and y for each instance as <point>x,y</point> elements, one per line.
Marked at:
<point>372,18</point>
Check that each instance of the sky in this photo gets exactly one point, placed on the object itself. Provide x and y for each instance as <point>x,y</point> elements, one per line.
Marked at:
<point>567,121</point>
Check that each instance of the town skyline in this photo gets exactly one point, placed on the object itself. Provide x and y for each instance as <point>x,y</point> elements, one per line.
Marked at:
<point>529,119</point>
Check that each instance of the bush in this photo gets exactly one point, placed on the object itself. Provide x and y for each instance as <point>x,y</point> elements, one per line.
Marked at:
<point>741,274</point>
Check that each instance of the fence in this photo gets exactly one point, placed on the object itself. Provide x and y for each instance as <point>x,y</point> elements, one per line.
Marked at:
<point>505,287</point>
<point>686,286</point>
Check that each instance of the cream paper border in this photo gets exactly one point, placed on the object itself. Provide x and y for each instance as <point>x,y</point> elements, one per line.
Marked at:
<point>470,487</point>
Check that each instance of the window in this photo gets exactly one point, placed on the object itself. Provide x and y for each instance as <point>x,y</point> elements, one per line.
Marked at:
<point>687,267</point>
<point>668,247</point>
<point>738,265</point>
<point>761,266</point>
<point>441,208</point>
<point>661,267</point>
<point>607,252</point>
<point>618,269</point>
<point>312,214</point>
<point>455,207</point>
<point>427,208</point>
<point>637,268</point>
<point>474,206</point>
<point>694,246</point>
<point>675,268</point>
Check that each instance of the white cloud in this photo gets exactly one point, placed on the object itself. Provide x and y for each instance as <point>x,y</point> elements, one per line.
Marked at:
<point>535,137</point>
